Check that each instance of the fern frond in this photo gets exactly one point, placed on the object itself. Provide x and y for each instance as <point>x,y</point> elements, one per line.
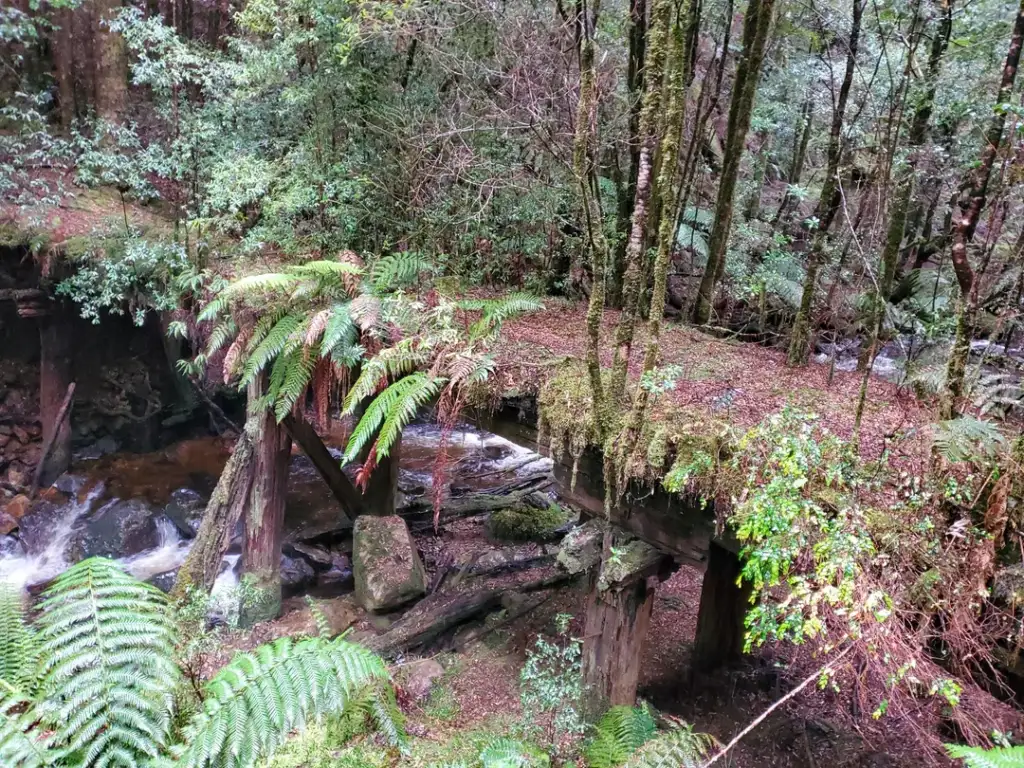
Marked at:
<point>690,237</point>
<point>389,363</point>
<point>495,312</point>
<point>678,748</point>
<point>327,270</point>
<point>317,326</point>
<point>19,649</point>
<point>297,375</point>
<point>254,702</point>
<point>391,411</point>
<point>339,329</point>
<point>1002,757</point>
<point>365,310</point>
<point>249,289</point>
<point>271,346</point>
<point>398,270</point>
<point>506,753</point>
<point>699,217</point>
<point>967,439</point>
<point>224,331</point>
<point>107,647</point>
<point>467,368</point>
<point>619,733</point>
<point>21,744</point>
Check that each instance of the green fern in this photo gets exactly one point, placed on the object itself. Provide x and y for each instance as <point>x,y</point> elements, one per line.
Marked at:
<point>390,363</point>
<point>20,745</point>
<point>618,734</point>
<point>107,648</point>
<point>398,270</point>
<point>19,649</point>
<point>495,312</point>
<point>1002,757</point>
<point>967,439</point>
<point>391,411</point>
<point>506,753</point>
<point>678,748</point>
<point>270,347</point>
<point>254,702</point>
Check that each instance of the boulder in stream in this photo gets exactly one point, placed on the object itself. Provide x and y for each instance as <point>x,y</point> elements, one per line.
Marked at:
<point>387,568</point>
<point>118,529</point>
<point>185,510</point>
<point>296,573</point>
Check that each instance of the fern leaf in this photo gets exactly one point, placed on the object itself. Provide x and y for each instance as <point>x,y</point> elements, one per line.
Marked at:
<point>248,289</point>
<point>107,644</point>
<point>967,439</point>
<point>20,744</point>
<point>389,363</point>
<point>1004,757</point>
<point>505,753</point>
<point>497,311</point>
<point>296,377</point>
<point>391,411</point>
<point>618,734</point>
<point>678,748</point>
<point>255,701</point>
<point>270,347</point>
<point>19,650</point>
<point>398,270</point>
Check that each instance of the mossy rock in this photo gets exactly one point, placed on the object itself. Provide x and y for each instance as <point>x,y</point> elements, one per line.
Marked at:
<point>525,523</point>
<point>1008,586</point>
<point>387,568</point>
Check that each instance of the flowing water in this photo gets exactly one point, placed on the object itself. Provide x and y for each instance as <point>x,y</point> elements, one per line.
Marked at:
<point>476,461</point>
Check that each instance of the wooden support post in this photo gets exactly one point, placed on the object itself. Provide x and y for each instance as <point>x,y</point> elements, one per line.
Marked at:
<point>379,496</point>
<point>723,607</point>
<point>329,468</point>
<point>613,641</point>
<point>54,381</point>
<point>264,524</point>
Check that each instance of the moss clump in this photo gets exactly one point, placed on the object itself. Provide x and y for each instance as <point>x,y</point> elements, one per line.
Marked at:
<point>1008,586</point>
<point>526,523</point>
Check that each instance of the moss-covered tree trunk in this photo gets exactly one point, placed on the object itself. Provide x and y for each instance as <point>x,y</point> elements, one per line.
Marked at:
<point>264,519</point>
<point>650,118</point>
<point>226,507</point>
<point>828,202</point>
<point>972,202</point>
<point>756,25</point>
<point>64,66</point>
<point>802,137</point>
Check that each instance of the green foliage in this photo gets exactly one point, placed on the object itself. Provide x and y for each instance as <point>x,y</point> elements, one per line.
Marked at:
<point>19,648</point>
<point>967,439</point>
<point>103,690</point>
<point>1000,757</point>
<point>678,748</point>
<point>619,733</point>
<point>390,411</point>
<point>551,688</point>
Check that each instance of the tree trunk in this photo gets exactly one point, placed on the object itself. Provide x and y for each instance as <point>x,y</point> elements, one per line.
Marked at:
<point>796,167</point>
<point>379,495</point>
<point>657,52</point>
<point>613,642</point>
<point>971,204</point>
<point>723,608</point>
<point>752,209</point>
<point>225,508</point>
<point>64,66</point>
<point>329,468</point>
<point>54,378</point>
<point>756,25</point>
<point>264,521</point>
<point>828,202</point>
<point>111,64</point>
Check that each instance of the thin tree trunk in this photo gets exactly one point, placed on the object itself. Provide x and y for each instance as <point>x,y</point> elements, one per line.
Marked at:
<point>828,202</point>
<point>54,380</point>
<point>64,66</point>
<point>796,167</point>
<point>971,204</point>
<point>748,72</point>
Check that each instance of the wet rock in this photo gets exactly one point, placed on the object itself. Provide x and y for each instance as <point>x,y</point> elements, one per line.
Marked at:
<point>118,529</point>
<point>37,527</point>
<point>185,510</point>
<point>18,507</point>
<point>11,546</point>
<point>318,557</point>
<point>7,523</point>
<point>581,547</point>
<point>340,613</point>
<point>296,573</point>
<point>492,558</point>
<point>17,475</point>
<point>387,568</point>
<point>164,581</point>
<point>102,447</point>
<point>339,576</point>
<point>419,678</point>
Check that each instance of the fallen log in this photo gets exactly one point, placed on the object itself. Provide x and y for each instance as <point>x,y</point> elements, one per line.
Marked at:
<point>434,617</point>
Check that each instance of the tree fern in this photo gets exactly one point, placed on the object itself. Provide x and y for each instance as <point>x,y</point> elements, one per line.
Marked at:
<point>248,289</point>
<point>398,270</point>
<point>20,745</point>
<point>495,312</point>
<point>678,748</point>
<point>390,411</point>
<point>298,372</point>
<point>270,347</point>
<point>974,757</point>
<point>339,330</point>
<point>390,363</point>
<point>254,702</point>
<point>618,734</point>
<point>107,645</point>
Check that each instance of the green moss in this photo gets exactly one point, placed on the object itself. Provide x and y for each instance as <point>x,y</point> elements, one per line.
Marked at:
<point>526,523</point>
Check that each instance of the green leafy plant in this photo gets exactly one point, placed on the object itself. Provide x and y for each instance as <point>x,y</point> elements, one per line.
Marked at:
<point>551,687</point>
<point>975,757</point>
<point>619,733</point>
<point>102,692</point>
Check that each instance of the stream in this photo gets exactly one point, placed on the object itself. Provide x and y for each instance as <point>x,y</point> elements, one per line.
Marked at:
<point>144,510</point>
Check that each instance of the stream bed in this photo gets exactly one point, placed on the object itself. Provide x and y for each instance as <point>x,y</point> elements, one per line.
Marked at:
<point>144,510</point>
